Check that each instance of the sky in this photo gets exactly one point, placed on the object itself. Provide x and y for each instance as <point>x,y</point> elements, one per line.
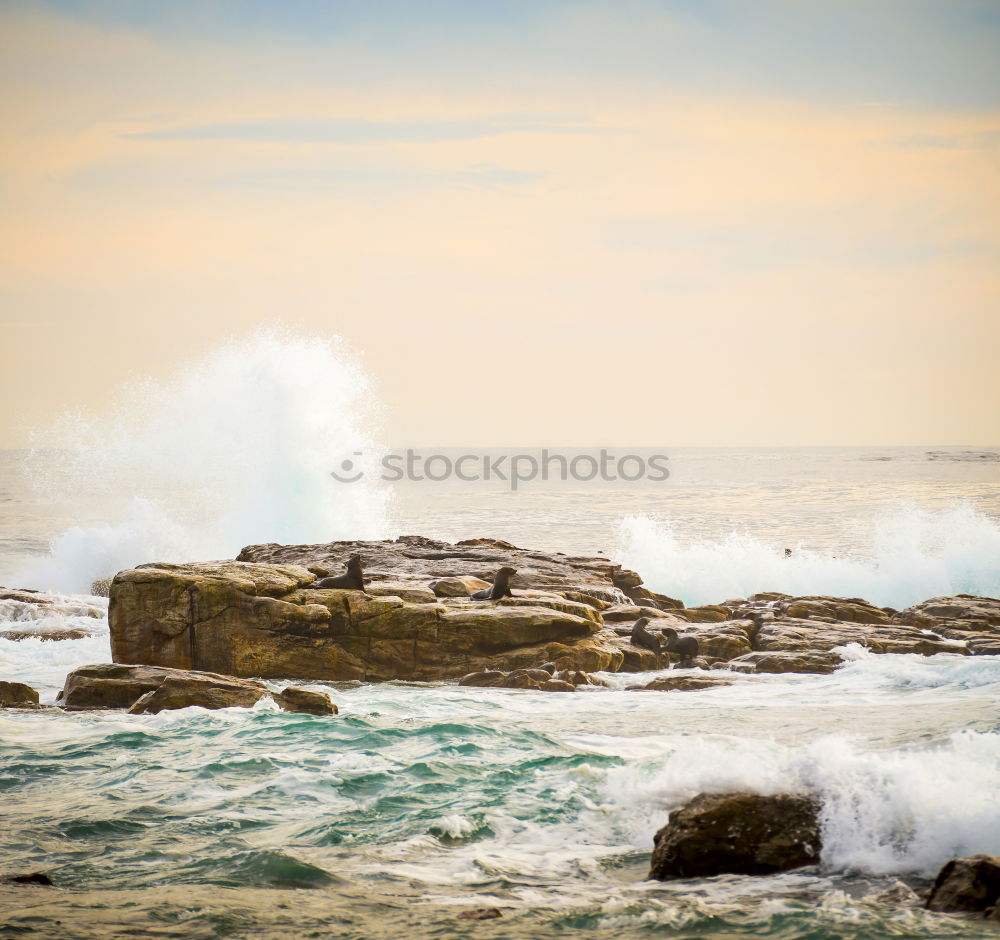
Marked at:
<point>700,222</point>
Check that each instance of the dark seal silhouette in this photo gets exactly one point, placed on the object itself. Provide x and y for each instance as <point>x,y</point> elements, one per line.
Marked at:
<point>353,579</point>
<point>501,586</point>
<point>640,636</point>
<point>685,646</point>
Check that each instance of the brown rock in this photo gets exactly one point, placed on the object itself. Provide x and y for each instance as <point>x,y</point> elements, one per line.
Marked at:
<point>47,636</point>
<point>967,884</point>
<point>481,913</point>
<point>710,613</point>
<point>557,685</point>
<point>461,586</point>
<point>17,695</point>
<point>682,684</point>
<point>118,686</point>
<point>293,699</point>
<point>738,833</point>
<point>201,690</point>
<point>806,662</point>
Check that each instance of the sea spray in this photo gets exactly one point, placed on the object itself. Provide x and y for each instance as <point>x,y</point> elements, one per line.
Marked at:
<point>914,554</point>
<point>237,447</point>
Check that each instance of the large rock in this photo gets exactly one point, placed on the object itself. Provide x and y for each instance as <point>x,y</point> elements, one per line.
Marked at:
<point>422,560</point>
<point>17,695</point>
<point>293,699</point>
<point>737,833</point>
<point>682,684</point>
<point>973,621</point>
<point>967,884</point>
<point>202,690</point>
<point>152,689</point>
<point>819,663</point>
<point>263,620</point>
<point>110,685</point>
<point>787,634</point>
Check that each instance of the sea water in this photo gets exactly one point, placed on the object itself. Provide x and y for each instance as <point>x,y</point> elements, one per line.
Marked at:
<point>423,800</point>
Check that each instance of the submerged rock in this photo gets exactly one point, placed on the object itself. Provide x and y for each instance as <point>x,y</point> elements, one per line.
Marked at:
<point>682,684</point>
<point>35,878</point>
<point>201,690</point>
<point>151,689</point>
<point>967,884</point>
<point>17,695</point>
<point>293,699</point>
<point>737,833</point>
<point>820,663</point>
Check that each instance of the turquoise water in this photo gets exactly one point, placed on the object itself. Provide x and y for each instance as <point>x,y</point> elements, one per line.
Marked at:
<point>420,802</point>
<point>423,800</point>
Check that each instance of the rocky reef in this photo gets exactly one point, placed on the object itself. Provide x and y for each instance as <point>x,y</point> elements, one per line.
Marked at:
<point>259,616</point>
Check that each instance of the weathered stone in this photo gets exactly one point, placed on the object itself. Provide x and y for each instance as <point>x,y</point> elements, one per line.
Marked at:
<point>788,635</point>
<point>200,690</point>
<point>404,590</point>
<point>35,878</point>
<point>47,636</point>
<point>489,678</point>
<point>461,586</point>
<point>682,684</point>
<point>853,610</point>
<point>293,699</point>
<point>963,612</point>
<point>110,685</point>
<point>17,695</point>
<point>557,685</point>
<point>738,833</point>
<point>806,662</point>
<point>967,884</point>
<point>709,613</point>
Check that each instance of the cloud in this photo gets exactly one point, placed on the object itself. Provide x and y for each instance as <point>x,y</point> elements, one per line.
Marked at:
<point>347,131</point>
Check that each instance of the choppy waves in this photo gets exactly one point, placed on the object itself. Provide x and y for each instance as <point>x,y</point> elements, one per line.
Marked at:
<point>914,554</point>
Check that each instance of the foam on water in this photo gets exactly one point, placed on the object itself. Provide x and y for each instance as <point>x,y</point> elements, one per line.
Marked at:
<point>915,554</point>
<point>236,448</point>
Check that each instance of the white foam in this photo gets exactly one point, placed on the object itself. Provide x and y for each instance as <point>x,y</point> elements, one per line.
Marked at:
<point>236,448</point>
<point>914,554</point>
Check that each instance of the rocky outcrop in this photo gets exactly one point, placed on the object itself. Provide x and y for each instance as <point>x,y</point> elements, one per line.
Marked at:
<point>968,884</point>
<point>17,695</point>
<point>974,621</point>
<point>422,560</point>
<point>737,833</point>
<point>263,620</point>
<point>306,702</point>
<point>819,663</point>
<point>259,616</point>
<point>152,689</point>
<point>682,684</point>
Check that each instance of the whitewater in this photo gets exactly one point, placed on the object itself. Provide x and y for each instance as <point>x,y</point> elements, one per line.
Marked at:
<point>423,800</point>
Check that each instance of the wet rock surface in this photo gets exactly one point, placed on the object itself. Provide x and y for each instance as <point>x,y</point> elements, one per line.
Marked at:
<point>737,833</point>
<point>968,884</point>
<point>17,695</point>
<point>260,616</point>
<point>152,689</point>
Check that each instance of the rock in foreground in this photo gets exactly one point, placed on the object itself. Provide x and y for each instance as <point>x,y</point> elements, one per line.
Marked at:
<point>17,695</point>
<point>967,884</point>
<point>152,689</point>
<point>737,833</point>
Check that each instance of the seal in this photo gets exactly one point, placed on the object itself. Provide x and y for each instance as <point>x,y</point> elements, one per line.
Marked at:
<point>685,646</point>
<point>353,579</point>
<point>501,586</point>
<point>640,636</point>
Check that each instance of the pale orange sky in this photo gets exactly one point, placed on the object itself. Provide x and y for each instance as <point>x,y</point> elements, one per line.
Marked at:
<point>520,253</point>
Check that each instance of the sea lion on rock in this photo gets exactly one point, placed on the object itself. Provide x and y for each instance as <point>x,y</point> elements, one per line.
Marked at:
<point>500,588</point>
<point>353,579</point>
<point>684,646</point>
<point>640,636</point>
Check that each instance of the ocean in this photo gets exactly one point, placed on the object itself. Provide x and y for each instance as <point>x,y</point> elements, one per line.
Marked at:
<point>421,801</point>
